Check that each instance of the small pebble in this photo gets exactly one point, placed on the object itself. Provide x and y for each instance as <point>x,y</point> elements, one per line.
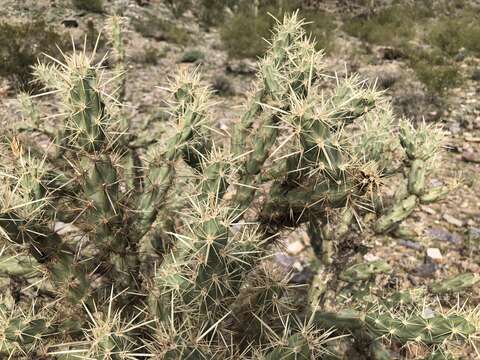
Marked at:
<point>439,233</point>
<point>434,256</point>
<point>452,220</point>
<point>429,210</point>
<point>470,156</point>
<point>295,247</point>
<point>370,257</point>
<point>410,244</point>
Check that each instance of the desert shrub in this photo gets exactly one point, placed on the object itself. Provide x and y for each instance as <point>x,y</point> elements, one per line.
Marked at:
<point>438,79</point>
<point>321,26</point>
<point>178,7</point>
<point>389,26</point>
<point>152,26</point>
<point>21,45</point>
<point>451,33</point>
<point>396,26</point>
<point>192,55</point>
<point>475,74</point>
<point>89,5</point>
<point>446,35</point>
<point>471,38</point>
<point>94,40</point>
<point>434,70</point>
<point>244,34</point>
<point>151,54</point>
<point>222,85</point>
<point>213,12</point>
<point>449,25</point>
<point>168,249</point>
<point>445,7</point>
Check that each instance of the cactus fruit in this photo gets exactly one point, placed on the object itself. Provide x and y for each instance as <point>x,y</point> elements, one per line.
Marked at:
<point>170,249</point>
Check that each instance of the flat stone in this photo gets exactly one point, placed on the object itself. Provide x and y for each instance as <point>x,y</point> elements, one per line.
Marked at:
<point>471,138</point>
<point>285,260</point>
<point>300,273</point>
<point>453,220</point>
<point>434,255</point>
<point>62,228</point>
<point>442,234</point>
<point>471,222</point>
<point>454,128</point>
<point>472,157</point>
<point>295,247</point>
<point>410,244</point>
<point>428,313</point>
<point>370,257</point>
<point>474,233</point>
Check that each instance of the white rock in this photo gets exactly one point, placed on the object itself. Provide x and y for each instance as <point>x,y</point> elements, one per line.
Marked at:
<point>428,210</point>
<point>370,257</point>
<point>295,247</point>
<point>452,220</point>
<point>434,255</point>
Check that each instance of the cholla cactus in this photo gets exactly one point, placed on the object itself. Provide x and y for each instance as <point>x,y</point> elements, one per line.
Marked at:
<point>170,256</point>
<point>115,33</point>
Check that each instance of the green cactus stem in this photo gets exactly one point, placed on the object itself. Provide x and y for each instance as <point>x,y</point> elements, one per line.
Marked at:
<point>398,213</point>
<point>455,284</point>
<point>364,271</point>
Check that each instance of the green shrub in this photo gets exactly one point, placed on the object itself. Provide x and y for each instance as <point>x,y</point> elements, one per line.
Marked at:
<point>21,45</point>
<point>321,26</point>
<point>438,79</point>
<point>93,37</point>
<point>471,38</point>
<point>222,86</point>
<point>151,55</point>
<point>449,25</point>
<point>191,56</point>
<point>475,74</point>
<point>212,12</point>
<point>89,5</point>
<point>152,26</point>
<point>434,70</point>
<point>178,7</point>
<point>451,33</point>
<point>397,26</point>
<point>389,26</point>
<point>446,35</point>
<point>244,34</point>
